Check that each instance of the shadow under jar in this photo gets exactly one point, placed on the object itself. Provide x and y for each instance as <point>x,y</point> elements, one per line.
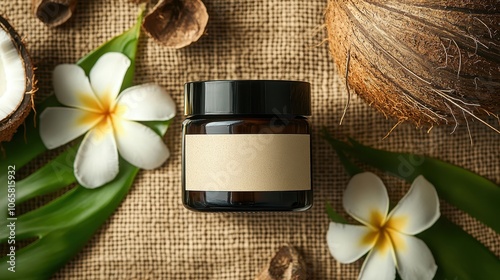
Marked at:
<point>246,146</point>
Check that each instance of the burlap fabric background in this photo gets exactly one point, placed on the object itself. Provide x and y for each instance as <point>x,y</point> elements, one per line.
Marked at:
<point>152,236</point>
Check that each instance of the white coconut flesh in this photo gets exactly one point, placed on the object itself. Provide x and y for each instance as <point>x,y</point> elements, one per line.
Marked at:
<point>12,76</point>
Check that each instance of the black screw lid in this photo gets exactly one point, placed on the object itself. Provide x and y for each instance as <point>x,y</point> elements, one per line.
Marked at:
<point>247,97</point>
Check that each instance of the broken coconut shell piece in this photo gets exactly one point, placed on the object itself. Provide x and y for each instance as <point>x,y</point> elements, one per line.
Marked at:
<point>176,23</point>
<point>17,81</point>
<point>54,12</point>
<point>287,264</point>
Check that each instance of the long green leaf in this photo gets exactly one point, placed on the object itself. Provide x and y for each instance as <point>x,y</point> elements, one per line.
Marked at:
<point>64,225</point>
<point>458,254</point>
<point>51,177</point>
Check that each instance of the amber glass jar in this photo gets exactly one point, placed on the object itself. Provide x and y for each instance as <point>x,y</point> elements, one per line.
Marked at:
<point>246,146</point>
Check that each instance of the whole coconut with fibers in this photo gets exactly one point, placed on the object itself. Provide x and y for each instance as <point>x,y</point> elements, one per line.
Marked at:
<point>429,62</point>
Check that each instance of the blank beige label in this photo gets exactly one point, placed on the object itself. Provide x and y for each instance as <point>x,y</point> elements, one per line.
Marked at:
<point>247,162</point>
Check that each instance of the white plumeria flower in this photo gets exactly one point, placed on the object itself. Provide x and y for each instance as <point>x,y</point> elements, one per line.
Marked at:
<point>388,237</point>
<point>108,119</point>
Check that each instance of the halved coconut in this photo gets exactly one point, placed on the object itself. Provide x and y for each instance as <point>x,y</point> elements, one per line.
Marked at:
<point>17,81</point>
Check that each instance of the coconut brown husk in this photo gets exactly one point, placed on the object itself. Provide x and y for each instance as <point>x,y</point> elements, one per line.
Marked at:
<point>9,126</point>
<point>422,61</point>
<point>287,264</point>
<point>176,23</point>
<point>54,12</point>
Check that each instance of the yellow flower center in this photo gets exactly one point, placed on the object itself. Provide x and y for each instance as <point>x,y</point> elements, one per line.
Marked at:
<point>103,114</point>
<point>383,232</point>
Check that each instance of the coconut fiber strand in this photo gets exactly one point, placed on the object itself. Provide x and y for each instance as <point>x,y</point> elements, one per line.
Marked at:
<point>151,236</point>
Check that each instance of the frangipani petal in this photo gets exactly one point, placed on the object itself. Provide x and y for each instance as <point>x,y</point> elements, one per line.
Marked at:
<point>414,259</point>
<point>106,77</point>
<point>378,266</point>
<point>366,199</point>
<point>96,161</point>
<point>72,87</point>
<point>346,241</point>
<point>140,145</point>
<point>146,103</point>
<point>417,210</point>
<point>59,125</point>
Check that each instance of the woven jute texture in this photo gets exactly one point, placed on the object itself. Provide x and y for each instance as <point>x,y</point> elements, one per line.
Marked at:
<point>151,235</point>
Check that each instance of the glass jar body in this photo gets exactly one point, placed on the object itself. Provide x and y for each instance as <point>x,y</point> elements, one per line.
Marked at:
<point>264,132</point>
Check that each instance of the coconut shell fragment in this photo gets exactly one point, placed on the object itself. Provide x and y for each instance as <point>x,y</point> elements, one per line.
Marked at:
<point>176,23</point>
<point>287,264</point>
<point>429,62</point>
<point>10,121</point>
<point>54,12</point>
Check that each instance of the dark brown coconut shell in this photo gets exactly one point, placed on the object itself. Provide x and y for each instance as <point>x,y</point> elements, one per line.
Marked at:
<point>176,23</point>
<point>287,264</point>
<point>430,62</point>
<point>53,12</point>
<point>9,126</point>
